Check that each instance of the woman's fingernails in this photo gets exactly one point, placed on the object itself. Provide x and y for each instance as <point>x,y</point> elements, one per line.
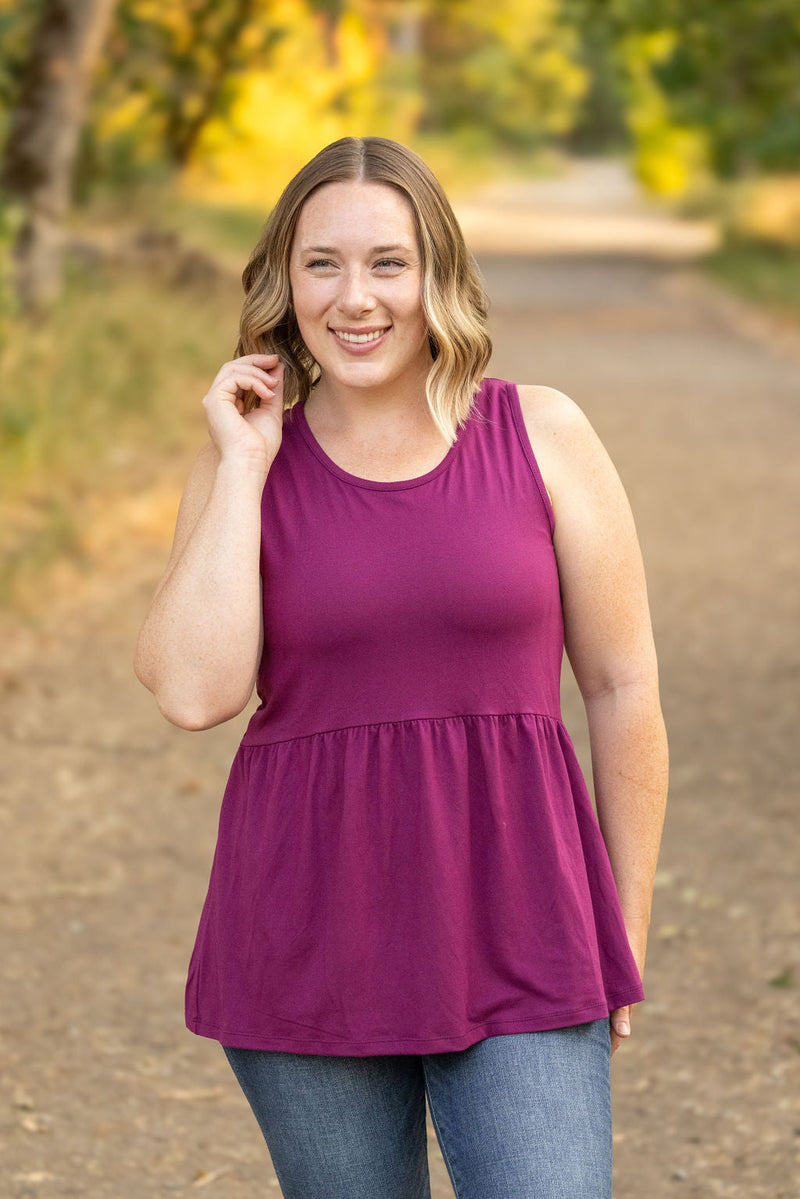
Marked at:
<point>623,1028</point>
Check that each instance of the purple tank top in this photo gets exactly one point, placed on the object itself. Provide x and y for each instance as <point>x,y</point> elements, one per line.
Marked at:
<point>408,859</point>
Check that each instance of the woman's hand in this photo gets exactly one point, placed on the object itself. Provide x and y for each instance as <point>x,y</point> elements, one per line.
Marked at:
<point>620,1026</point>
<point>621,1017</point>
<point>254,437</point>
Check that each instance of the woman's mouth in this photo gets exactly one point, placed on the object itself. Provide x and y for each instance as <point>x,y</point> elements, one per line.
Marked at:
<point>358,342</point>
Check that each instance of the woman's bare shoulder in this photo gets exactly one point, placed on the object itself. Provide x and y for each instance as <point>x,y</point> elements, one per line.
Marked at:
<point>563,441</point>
<point>550,412</point>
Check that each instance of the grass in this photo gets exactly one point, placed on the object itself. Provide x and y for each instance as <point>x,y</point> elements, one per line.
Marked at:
<point>760,253</point>
<point>96,399</point>
<point>763,272</point>
<point>215,228</point>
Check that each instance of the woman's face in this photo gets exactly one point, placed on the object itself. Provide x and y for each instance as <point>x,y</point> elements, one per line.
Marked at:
<point>356,277</point>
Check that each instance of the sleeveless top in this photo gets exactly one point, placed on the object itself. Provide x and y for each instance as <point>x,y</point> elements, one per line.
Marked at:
<point>408,859</point>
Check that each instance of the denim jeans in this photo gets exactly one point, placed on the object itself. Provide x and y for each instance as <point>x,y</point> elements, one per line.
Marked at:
<point>517,1116</point>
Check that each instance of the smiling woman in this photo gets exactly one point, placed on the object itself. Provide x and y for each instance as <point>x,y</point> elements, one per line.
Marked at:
<point>411,895</point>
<point>360,313</point>
<point>366,224</point>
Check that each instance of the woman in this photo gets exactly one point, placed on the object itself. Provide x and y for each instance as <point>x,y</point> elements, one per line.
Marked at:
<point>411,895</point>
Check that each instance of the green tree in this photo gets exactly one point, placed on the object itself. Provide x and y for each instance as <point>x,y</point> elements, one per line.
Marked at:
<point>509,68</point>
<point>169,68</point>
<point>42,135</point>
<point>714,84</point>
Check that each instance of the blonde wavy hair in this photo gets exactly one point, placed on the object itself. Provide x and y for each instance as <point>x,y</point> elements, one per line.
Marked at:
<point>453,298</point>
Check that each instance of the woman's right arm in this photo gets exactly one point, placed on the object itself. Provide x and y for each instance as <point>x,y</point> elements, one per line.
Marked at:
<point>200,646</point>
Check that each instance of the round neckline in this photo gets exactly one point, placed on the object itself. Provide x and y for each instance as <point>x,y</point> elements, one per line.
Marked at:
<point>375,484</point>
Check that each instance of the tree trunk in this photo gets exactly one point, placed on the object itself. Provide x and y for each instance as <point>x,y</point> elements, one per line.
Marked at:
<point>43,137</point>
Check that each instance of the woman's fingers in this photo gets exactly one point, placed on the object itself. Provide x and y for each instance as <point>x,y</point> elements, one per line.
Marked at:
<point>620,1026</point>
<point>267,366</point>
<point>230,428</point>
<point>244,378</point>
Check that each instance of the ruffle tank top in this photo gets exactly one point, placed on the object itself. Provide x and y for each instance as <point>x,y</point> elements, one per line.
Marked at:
<point>408,859</point>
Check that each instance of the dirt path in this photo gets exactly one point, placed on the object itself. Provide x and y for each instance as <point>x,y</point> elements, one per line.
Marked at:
<point>110,817</point>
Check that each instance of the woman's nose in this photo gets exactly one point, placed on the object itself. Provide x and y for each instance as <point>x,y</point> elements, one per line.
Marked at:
<point>356,294</point>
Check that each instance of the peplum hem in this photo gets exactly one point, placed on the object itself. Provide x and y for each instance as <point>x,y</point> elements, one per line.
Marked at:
<point>400,1045</point>
<point>407,886</point>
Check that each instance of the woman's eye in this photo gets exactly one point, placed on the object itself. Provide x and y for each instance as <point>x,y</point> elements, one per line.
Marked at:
<point>383,263</point>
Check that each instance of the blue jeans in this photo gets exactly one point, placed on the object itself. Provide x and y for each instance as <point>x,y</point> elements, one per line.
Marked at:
<point>517,1116</point>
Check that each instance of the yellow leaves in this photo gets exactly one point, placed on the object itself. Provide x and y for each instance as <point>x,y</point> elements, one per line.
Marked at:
<point>251,38</point>
<point>172,15</point>
<point>513,22</point>
<point>355,51</point>
<point>669,156</point>
<point>769,209</point>
<point>127,115</point>
<point>285,113</point>
<point>639,52</point>
<point>272,130</point>
<point>570,82</point>
<point>658,44</point>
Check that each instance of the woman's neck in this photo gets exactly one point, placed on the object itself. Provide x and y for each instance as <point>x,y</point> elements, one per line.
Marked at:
<point>363,409</point>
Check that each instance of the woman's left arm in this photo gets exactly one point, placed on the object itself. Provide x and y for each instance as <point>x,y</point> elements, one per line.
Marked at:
<point>609,642</point>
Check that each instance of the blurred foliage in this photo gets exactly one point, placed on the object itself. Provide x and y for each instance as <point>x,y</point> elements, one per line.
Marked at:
<point>229,97</point>
<point>732,70</point>
<point>321,84</point>
<point>115,396</point>
<point>670,157</point>
<point>768,209</point>
<point>707,86</point>
<point>763,271</point>
<point>17,18</point>
<point>168,68</point>
<point>484,81</point>
<point>508,69</point>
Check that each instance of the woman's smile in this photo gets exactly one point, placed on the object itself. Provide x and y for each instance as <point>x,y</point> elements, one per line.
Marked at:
<point>361,341</point>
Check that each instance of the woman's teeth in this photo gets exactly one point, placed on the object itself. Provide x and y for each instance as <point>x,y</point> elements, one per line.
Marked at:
<point>360,337</point>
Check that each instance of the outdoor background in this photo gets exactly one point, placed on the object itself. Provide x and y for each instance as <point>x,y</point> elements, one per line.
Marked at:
<point>628,174</point>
